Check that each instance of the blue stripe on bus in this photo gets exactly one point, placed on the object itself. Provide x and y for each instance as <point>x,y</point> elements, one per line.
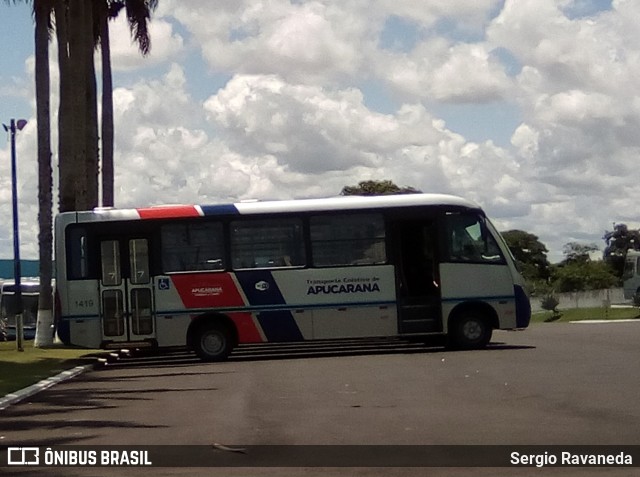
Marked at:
<point>222,209</point>
<point>479,298</point>
<point>261,290</point>
<point>80,317</point>
<point>279,326</point>
<point>266,308</point>
<point>250,309</point>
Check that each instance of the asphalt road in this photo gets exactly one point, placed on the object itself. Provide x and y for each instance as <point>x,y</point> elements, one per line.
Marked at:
<point>553,384</point>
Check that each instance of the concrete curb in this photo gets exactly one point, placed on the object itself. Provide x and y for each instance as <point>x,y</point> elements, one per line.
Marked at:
<point>17,396</point>
<point>599,322</point>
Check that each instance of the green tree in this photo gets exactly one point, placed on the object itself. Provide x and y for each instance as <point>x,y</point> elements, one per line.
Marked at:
<point>575,252</point>
<point>530,253</point>
<point>581,276</point>
<point>384,187</point>
<point>619,241</point>
<point>577,272</point>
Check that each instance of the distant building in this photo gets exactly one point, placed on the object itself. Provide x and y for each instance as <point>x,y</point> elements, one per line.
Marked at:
<point>28,268</point>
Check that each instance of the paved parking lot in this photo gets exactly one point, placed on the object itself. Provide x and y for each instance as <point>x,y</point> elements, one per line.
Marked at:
<point>554,384</point>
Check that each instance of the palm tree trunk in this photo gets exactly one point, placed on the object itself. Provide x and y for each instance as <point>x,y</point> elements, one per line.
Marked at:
<point>92,149</point>
<point>67,171</point>
<point>107,110</point>
<point>42,13</point>
<point>78,149</point>
<point>78,102</point>
<point>138,16</point>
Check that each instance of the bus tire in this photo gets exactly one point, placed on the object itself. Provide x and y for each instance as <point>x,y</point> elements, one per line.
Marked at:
<point>470,330</point>
<point>213,342</point>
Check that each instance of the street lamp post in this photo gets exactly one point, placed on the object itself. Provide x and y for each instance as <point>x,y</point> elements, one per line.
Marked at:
<point>13,127</point>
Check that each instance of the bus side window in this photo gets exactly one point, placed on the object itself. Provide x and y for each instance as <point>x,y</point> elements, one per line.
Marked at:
<point>267,243</point>
<point>77,253</point>
<point>190,247</point>
<point>350,239</point>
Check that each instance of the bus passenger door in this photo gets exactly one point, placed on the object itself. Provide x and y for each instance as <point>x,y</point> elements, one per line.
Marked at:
<point>126,291</point>
<point>417,277</point>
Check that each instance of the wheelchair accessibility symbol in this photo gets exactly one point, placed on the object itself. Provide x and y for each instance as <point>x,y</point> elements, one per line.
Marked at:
<point>164,284</point>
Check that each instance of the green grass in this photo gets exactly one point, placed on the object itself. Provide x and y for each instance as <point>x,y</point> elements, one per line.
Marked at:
<point>19,369</point>
<point>579,314</point>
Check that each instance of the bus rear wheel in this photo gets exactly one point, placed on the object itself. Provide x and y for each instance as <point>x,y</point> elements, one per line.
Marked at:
<point>213,342</point>
<point>470,331</point>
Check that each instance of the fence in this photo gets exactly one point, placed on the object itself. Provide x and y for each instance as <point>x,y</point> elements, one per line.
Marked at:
<point>585,299</point>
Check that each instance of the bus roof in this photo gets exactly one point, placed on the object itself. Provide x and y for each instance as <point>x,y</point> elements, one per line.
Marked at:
<point>27,285</point>
<point>273,207</point>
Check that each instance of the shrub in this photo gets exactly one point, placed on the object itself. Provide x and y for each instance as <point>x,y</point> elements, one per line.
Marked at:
<point>3,328</point>
<point>550,303</point>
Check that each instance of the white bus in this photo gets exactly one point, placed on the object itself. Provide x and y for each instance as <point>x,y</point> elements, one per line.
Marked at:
<point>29,291</point>
<point>631,275</point>
<point>211,277</point>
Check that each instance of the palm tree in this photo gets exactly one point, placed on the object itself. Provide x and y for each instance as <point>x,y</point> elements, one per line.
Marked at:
<point>77,120</point>
<point>138,16</point>
<point>42,10</point>
<point>66,186</point>
<point>79,26</point>
<point>76,32</point>
<point>107,10</point>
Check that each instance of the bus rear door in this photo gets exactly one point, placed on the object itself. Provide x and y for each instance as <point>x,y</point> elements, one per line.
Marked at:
<point>126,291</point>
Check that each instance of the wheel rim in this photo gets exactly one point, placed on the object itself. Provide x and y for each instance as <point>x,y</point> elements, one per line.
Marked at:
<point>472,330</point>
<point>212,343</point>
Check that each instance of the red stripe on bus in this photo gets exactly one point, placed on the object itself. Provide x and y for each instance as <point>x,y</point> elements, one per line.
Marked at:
<point>217,290</point>
<point>169,212</point>
<point>209,290</point>
<point>247,330</point>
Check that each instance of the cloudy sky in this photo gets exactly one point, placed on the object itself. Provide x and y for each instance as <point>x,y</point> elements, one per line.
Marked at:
<point>528,107</point>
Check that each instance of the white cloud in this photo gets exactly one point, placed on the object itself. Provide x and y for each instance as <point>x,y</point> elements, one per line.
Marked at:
<point>27,187</point>
<point>470,16</point>
<point>469,74</point>
<point>293,119</point>
<point>310,129</point>
<point>262,137</point>
<point>317,132</point>
<point>166,45</point>
<point>300,41</point>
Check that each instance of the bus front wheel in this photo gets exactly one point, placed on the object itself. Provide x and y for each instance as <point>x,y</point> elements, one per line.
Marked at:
<point>213,342</point>
<point>470,331</point>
